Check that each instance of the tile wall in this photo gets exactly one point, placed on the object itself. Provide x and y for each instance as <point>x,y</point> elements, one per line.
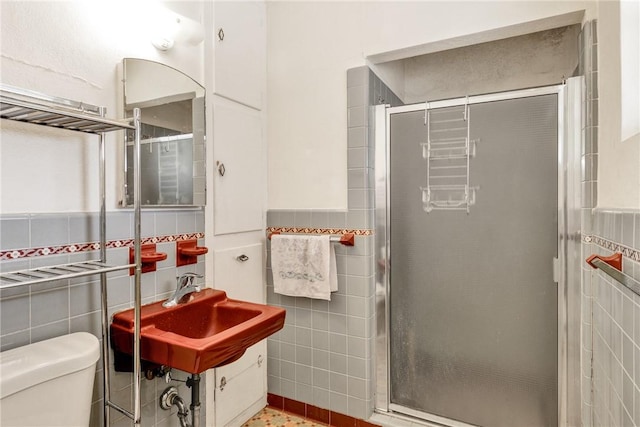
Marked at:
<point>588,67</point>
<point>616,321</point>
<point>324,354</point>
<point>38,312</point>
<point>611,311</point>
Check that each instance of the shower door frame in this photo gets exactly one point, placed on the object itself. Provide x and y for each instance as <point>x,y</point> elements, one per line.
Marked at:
<point>567,270</point>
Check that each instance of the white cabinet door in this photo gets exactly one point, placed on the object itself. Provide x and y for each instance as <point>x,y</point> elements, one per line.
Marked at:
<point>239,272</point>
<point>239,394</point>
<point>239,183</point>
<point>240,51</point>
<point>239,385</point>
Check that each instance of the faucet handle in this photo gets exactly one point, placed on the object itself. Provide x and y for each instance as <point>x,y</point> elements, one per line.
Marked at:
<point>186,279</point>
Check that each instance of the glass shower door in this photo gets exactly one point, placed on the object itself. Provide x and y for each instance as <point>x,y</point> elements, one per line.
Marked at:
<point>472,300</point>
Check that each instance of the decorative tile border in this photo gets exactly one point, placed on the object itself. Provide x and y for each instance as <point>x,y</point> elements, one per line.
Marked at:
<point>632,254</point>
<point>307,230</point>
<point>311,412</point>
<point>93,246</point>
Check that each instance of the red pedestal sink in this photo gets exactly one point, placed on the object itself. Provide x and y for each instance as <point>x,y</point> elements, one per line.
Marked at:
<point>207,331</point>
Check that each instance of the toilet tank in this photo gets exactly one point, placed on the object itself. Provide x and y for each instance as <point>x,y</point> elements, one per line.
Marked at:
<point>49,383</point>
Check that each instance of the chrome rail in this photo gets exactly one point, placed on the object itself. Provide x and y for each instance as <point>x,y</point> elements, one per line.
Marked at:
<point>612,266</point>
<point>34,276</point>
<point>31,107</point>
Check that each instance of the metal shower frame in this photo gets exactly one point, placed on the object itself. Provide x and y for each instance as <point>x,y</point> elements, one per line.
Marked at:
<point>566,266</point>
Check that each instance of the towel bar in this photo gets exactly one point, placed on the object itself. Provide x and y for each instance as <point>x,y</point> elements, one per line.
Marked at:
<point>347,239</point>
<point>612,265</point>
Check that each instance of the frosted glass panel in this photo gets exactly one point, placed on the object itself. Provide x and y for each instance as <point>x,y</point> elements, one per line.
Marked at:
<point>473,305</point>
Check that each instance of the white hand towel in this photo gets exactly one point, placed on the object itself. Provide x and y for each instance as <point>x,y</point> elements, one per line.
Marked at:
<point>304,266</point>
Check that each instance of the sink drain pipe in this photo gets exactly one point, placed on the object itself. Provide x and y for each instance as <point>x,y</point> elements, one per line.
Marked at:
<point>194,383</point>
<point>170,398</point>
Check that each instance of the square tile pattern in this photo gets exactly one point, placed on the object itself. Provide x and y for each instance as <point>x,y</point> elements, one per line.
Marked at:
<point>324,355</point>
<point>34,313</point>
<point>314,413</point>
<point>611,324</point>
<point>272,417</point>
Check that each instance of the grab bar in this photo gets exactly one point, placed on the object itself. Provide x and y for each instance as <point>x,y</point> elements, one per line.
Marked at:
<point>612,265</point>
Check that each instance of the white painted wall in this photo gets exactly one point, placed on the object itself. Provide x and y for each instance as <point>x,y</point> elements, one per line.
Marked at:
<point>72,49</point>
<point>166,86</point>
<point>618,160</point>
<point>312,44</point>
<point>630,64</point>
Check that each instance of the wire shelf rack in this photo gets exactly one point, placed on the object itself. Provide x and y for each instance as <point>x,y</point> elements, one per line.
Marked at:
<point>33,107</point>
<point>447,153</point>
<point>57,272</point>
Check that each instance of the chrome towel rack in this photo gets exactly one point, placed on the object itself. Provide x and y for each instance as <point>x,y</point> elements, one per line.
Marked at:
<point>346,239</point>
<point>36,108</point>
<point>58,272</point>
<point>612,265</point>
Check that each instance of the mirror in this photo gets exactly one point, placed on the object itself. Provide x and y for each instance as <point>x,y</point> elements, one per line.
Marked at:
<point>172,140</point>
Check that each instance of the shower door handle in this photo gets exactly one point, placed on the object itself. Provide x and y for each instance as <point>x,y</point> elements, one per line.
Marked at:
<point>556,270</point>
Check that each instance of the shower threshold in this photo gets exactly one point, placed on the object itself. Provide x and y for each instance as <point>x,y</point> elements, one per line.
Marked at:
<point>396,419</point>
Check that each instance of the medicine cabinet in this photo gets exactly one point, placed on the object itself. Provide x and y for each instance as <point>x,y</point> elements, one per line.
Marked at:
<point>173,135</point>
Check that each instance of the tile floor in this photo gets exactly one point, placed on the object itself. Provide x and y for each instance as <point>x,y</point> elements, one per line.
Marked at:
<point>274,418</point>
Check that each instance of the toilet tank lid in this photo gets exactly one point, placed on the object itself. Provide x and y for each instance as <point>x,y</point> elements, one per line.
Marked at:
<point>26,366</point>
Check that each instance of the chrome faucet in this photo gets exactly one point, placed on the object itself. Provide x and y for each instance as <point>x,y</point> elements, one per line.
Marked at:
<point>184,286</point>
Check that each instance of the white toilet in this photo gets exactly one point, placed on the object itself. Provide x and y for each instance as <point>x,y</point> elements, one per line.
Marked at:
<point>49,383</point>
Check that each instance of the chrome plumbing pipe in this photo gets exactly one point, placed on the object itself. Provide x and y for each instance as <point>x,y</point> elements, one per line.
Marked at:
<point>195,399</point>
<point>170,398</point>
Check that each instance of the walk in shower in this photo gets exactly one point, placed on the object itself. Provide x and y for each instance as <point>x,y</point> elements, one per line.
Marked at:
<point>474,199</point>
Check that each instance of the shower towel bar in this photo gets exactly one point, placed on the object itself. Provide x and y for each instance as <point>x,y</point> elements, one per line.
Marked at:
<point>347,239</point>
<point>612,265</point>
